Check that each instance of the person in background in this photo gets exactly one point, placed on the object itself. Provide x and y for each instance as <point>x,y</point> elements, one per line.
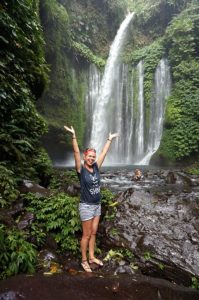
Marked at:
<point>90,198</point>
<point>137,175</point>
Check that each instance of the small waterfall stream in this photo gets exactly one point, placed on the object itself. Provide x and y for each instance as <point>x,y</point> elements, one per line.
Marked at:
<point>162,87</point>
<point>139,130</point>
<point>94,82</point>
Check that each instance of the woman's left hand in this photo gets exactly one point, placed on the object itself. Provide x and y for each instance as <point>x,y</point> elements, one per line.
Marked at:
<point>113,135</point>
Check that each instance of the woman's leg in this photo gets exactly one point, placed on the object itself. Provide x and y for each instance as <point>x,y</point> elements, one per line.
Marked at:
<point>94,227</point>
<point>86,235</point>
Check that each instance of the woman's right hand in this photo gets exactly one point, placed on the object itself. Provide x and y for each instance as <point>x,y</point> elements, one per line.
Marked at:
<point>70,129</point>
<point>75,148</point>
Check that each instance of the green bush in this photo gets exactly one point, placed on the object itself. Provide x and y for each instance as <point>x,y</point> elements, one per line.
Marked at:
<point>62,178</point>
<point>42,166</point>
<point>195,283</point>
<point>8,186</point>
<point>193,169</point>
<point>16,254</point>
<point>107,196</point>
<point>23,76</point>
<point>84,51</point>
<point>59,216</point>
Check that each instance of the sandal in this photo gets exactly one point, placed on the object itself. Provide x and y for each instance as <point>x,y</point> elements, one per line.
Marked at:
<point>86,266</point>
<point>96,261</point>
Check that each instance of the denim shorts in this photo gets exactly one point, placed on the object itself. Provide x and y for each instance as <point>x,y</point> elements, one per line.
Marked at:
<point>89,211</point>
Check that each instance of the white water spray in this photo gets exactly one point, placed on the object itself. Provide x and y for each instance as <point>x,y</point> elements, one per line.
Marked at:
<point>110,106</point>
<point>162,87</point>
<point>100,128</point>
<point>139,130</point>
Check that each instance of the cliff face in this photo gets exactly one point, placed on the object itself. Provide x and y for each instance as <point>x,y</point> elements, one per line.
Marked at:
<point>78,33</point>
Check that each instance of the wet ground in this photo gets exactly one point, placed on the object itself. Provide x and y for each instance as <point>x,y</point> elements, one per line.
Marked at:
<point>81,285</point>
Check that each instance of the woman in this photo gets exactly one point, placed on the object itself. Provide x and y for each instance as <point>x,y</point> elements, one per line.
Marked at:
<point>89,206</point>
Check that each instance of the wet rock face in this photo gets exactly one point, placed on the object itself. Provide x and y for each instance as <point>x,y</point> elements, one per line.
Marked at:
<point>171,178</point>
<point>11,295</point>
<point>73,190</point>
<point>92,286</point>
<point>25,220</point>
<point>161,229</point>
<point>31,187</point>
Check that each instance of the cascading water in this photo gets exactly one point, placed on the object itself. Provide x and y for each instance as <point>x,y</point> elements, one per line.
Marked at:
<point>109,90</point>
<point>116,103</point>
<point>94,82</point>
<point>162,87</point>
<point>139,130</point>
<point>136,144</point>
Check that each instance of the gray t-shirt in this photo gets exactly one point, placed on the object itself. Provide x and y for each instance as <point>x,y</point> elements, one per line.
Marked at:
<point>90,185</point>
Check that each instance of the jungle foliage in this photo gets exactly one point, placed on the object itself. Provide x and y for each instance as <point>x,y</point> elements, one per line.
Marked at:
<point>182,113</point>
<point>170,29</point>
<point>55,216</point>
<point>23,75</point>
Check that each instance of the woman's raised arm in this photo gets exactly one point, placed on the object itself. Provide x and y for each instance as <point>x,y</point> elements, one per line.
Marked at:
<point>106,148</point>
<point>75,148</point>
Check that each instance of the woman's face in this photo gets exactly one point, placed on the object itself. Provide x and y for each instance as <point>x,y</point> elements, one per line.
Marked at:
<point>89,157</point>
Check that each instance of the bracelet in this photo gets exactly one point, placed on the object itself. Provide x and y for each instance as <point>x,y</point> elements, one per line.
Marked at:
<point>74,138</point>
<point>109,140</point>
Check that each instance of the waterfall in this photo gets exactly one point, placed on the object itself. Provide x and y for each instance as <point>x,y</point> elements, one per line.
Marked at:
<point>139,130</point>
<point>94,82</point>
<point>115,102</point>
<point>162,87</point>
<point>110,88</point>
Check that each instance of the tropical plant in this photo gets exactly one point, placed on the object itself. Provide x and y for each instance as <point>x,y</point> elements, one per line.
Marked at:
<point>8,186</point>
<point>16,255</point>
<point>57,215</point>
<point>23,75</point>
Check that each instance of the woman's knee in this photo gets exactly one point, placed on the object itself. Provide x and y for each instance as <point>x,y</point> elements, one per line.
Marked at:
<point>87,235</point>
<point>93,232</point>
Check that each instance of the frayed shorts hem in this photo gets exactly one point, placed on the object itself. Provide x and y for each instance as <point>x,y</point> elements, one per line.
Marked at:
<point>89,211</point>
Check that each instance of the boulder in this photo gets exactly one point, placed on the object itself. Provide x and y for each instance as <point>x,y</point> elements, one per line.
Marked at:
<point>30,187</point>
<point>163,232</point>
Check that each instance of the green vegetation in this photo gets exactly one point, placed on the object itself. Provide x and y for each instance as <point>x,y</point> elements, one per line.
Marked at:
<point>181,136</point>
<point>23,75</point>
<point>68,86</point>
<point>16,255</point>
<point>87,54</point>
<point>177,39</point>
<point>148,255</point>
<point>109,204</point>
<point>8,186</point>
<point>195,283</point>
<point>62,178</point>
<point>193,169</point>
<point>57,215</point>
<point>93,23</point>
<point>119,254</point>
<point>161,266</point>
